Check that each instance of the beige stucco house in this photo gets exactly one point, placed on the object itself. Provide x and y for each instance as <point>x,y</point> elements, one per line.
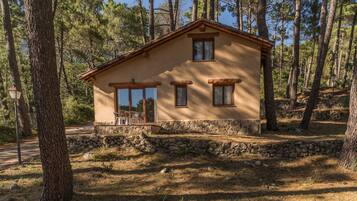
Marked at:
<point>204,77</point>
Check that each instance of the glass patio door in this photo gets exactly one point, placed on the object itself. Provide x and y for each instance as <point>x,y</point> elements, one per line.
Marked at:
<point>138,105</point>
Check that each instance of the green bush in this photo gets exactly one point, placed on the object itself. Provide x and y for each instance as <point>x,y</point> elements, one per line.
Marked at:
<point>76,113</point>
<point>7,134</point>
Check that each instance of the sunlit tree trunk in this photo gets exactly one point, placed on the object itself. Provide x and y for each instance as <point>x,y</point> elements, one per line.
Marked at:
<point>151,20</point>
<point>324,40</point>
<point>295,67</point>
<point>171,14</point>
<point>267,68</point>
<point>194,9</point>
<point>15,74</point>
<point>57,173</point>
<point>348,54</point>
<point>348,157</point>
<point>336,49</point>
<point>142,20</point>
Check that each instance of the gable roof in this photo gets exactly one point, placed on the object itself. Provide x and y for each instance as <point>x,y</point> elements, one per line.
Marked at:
<point>265,44</point>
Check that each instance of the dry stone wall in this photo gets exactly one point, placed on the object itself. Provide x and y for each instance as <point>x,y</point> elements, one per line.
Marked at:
<point>178,145</point>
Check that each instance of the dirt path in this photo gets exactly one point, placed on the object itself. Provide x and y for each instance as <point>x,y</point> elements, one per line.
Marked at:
<point>29,147</point>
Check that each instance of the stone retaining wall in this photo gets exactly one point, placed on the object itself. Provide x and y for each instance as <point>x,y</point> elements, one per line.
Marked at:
<point>126,129</point>
<point>181,145</point>
<point>229,127</point>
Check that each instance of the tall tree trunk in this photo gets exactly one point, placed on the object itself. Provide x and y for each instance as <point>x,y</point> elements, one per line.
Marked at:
<point>194,9</point>
<point>204,9</point>
<point>176,13</point>
<point>324,40</point>
<point>249,17</point>
<point>151,20</point>
<point>348,157</point>
<point>142,20</point>
<point>309,67</point>
<point>62,67</point>
<point>348,54</point>
<point>211,9</point>
<point>295,67</point>
<point>3,99</point>
<point>15,74</point>
<point>238,15</point>
<point>171,14</point>
<point>56,167</point>
<point>241,15</point>
<point>336,48</point>
<point>268,77</point>
<point>218,6</point>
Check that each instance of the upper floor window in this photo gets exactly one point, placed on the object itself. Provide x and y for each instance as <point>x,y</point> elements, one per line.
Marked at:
<point>203,49</point>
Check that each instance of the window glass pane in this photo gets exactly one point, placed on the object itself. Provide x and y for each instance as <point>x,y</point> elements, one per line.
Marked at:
<point>137,103</point>
<point>151,97</point>
<point>228,93</point>
<point>218,94</point>
<point>197,50</point>
<point>181,96</point>
<point>208,50</point>
<point>123,99</point>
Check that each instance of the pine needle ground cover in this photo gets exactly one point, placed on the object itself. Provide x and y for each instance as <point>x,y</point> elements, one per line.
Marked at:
<point>126,174</point>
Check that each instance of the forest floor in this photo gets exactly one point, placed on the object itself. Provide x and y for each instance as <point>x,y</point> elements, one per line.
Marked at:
<point>129,175</point>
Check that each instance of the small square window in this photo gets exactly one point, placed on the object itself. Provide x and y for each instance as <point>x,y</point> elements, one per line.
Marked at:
<point>181,95</point>
<point>223,95</point>
<point>203,49</point>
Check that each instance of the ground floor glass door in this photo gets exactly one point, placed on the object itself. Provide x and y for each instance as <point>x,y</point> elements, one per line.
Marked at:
<point>136,105</point>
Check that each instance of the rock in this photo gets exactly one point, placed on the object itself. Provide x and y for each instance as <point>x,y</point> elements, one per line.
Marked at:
<point>265,165</point>
<point>88,156</point>
<point>164,171</point>
<point>14,187</point>
<point>258,163</point>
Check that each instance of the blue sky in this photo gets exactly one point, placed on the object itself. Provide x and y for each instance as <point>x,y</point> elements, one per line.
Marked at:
<point>225,17</point>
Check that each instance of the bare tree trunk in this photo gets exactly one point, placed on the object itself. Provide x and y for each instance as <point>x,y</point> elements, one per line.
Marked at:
<point>348,157</point>
<point>62,67</point>
<point>171,14</point>
<point>204,9</point>
<point>249,17</point>
<point>324,40</point>
<point>309,67</point>
<point>338,75</point>
<point>268,77</point>
<point>218,6</point>
<point>15,74</point>
<point>350,42</point>
<point>176,13</point>
<point>336,48</point>
<point>194,9</point>
<point>57,172</point>
<point>151,20</point>
<point>211,9</point>
<point>239,27</point>
<point>3,100</point>
<point>142,20</point>
<point>296,67</point>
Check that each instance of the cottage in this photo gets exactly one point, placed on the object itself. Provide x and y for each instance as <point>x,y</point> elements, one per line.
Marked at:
<point>201,78</point>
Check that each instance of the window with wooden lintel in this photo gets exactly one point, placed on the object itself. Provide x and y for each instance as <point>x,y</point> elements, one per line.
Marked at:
<point>223,91</point>
<point>203,49</point>
<point>223,95</point>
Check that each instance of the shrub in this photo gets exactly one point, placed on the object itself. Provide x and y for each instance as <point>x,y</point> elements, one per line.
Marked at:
<point>75,112</point>
<point>7,134</point>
